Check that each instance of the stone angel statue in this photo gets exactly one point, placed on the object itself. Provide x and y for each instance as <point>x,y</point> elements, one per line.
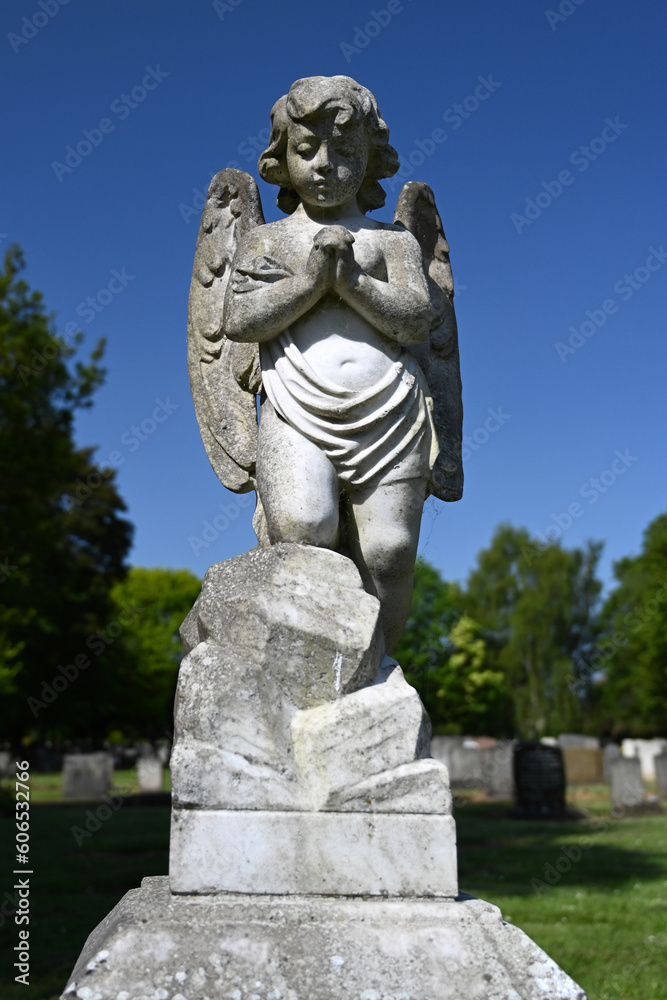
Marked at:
<point>344,327</point>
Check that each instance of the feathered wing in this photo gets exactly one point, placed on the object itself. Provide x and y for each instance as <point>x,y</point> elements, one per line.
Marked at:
<point>225,377</point>
<point>438,356</point>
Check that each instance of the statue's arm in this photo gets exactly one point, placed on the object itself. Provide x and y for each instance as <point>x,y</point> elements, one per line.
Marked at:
<point>400,307</point>
<point>258,310</point>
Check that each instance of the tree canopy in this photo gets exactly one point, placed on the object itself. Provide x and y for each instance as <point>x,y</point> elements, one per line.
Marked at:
<point>506,654</point>
<point>63,539</point>
<point>629,663</point>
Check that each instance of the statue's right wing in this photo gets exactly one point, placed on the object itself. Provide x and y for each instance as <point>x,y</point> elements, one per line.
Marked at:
<point>225,377</point>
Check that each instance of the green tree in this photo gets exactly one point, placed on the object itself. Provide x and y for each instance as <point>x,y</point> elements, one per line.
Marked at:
<point>156,601</point>
<point>630,660</point>
<point>536,607</point>
<point>62,540</point>
<point>470,697</point>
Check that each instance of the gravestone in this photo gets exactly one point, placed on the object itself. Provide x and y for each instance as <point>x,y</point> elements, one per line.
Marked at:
<point>462,758</point>
<point>149,774</point>
<point>646,751</point>
<point>87,775</point>
<point>498,769</point>
<point>5,761</point>
<point>583,765</point>
<point>163,751</point>
<point>575,741</point>
<point>611,752</point>
<point>660,763</point>
<point>627,787</point>
<point>539,779</point>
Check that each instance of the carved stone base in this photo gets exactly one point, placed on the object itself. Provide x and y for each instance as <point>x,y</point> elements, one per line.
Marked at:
<point>337,854</point>
<point>154,944</point>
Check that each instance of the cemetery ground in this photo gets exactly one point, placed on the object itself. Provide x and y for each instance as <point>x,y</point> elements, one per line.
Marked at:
<point>592,893</point>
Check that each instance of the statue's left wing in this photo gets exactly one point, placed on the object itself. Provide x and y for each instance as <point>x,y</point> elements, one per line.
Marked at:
<point>225,377</point>
<point>438,356</point>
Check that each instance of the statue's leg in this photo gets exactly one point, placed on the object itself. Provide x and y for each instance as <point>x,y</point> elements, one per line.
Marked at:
<point>297,484</point>
<point>383,538</point>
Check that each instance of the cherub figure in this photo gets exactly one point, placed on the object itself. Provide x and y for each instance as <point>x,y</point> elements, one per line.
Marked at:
<point>345,328</point>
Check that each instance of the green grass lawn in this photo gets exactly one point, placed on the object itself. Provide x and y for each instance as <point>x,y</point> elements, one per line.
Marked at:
<point>604,920</point>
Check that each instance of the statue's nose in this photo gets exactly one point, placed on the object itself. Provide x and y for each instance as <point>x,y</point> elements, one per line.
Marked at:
<point>323,163</point>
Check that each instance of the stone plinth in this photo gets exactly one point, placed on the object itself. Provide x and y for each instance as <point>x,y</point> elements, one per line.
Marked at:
<point>295,853</point>
<point>154,944</point>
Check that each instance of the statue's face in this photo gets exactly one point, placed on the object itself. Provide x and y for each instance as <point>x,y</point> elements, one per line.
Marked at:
<point>326,163</point>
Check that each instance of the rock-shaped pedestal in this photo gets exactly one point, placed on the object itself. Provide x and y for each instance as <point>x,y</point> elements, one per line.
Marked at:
<point>300,761</point>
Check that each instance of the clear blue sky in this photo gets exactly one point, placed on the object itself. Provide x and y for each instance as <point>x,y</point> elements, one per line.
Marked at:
<point>554,83</point>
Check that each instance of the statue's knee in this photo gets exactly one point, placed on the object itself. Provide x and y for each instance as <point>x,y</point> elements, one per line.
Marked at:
<point>319,531</point>
<point>392,556</point>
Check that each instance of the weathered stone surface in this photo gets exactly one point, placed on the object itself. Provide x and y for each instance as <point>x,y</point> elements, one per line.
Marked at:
<point>154,944</point>
<point>86,775</point>
<point>627,787</point>
<point>149,774</point>
<point>301,607</point>
<point>251,731</point>
<point>372,731</point>
<point>419,787</point>
<point>338,854</point>
<point>233,747</point>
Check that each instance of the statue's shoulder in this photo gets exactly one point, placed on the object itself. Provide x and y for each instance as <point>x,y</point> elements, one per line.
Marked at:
<point>267,238</point>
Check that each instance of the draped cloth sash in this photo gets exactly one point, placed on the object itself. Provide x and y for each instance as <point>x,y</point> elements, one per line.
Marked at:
<point>382,433</point>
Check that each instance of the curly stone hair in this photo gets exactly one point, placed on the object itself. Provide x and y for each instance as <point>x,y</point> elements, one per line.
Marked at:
<point>306,97</point>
